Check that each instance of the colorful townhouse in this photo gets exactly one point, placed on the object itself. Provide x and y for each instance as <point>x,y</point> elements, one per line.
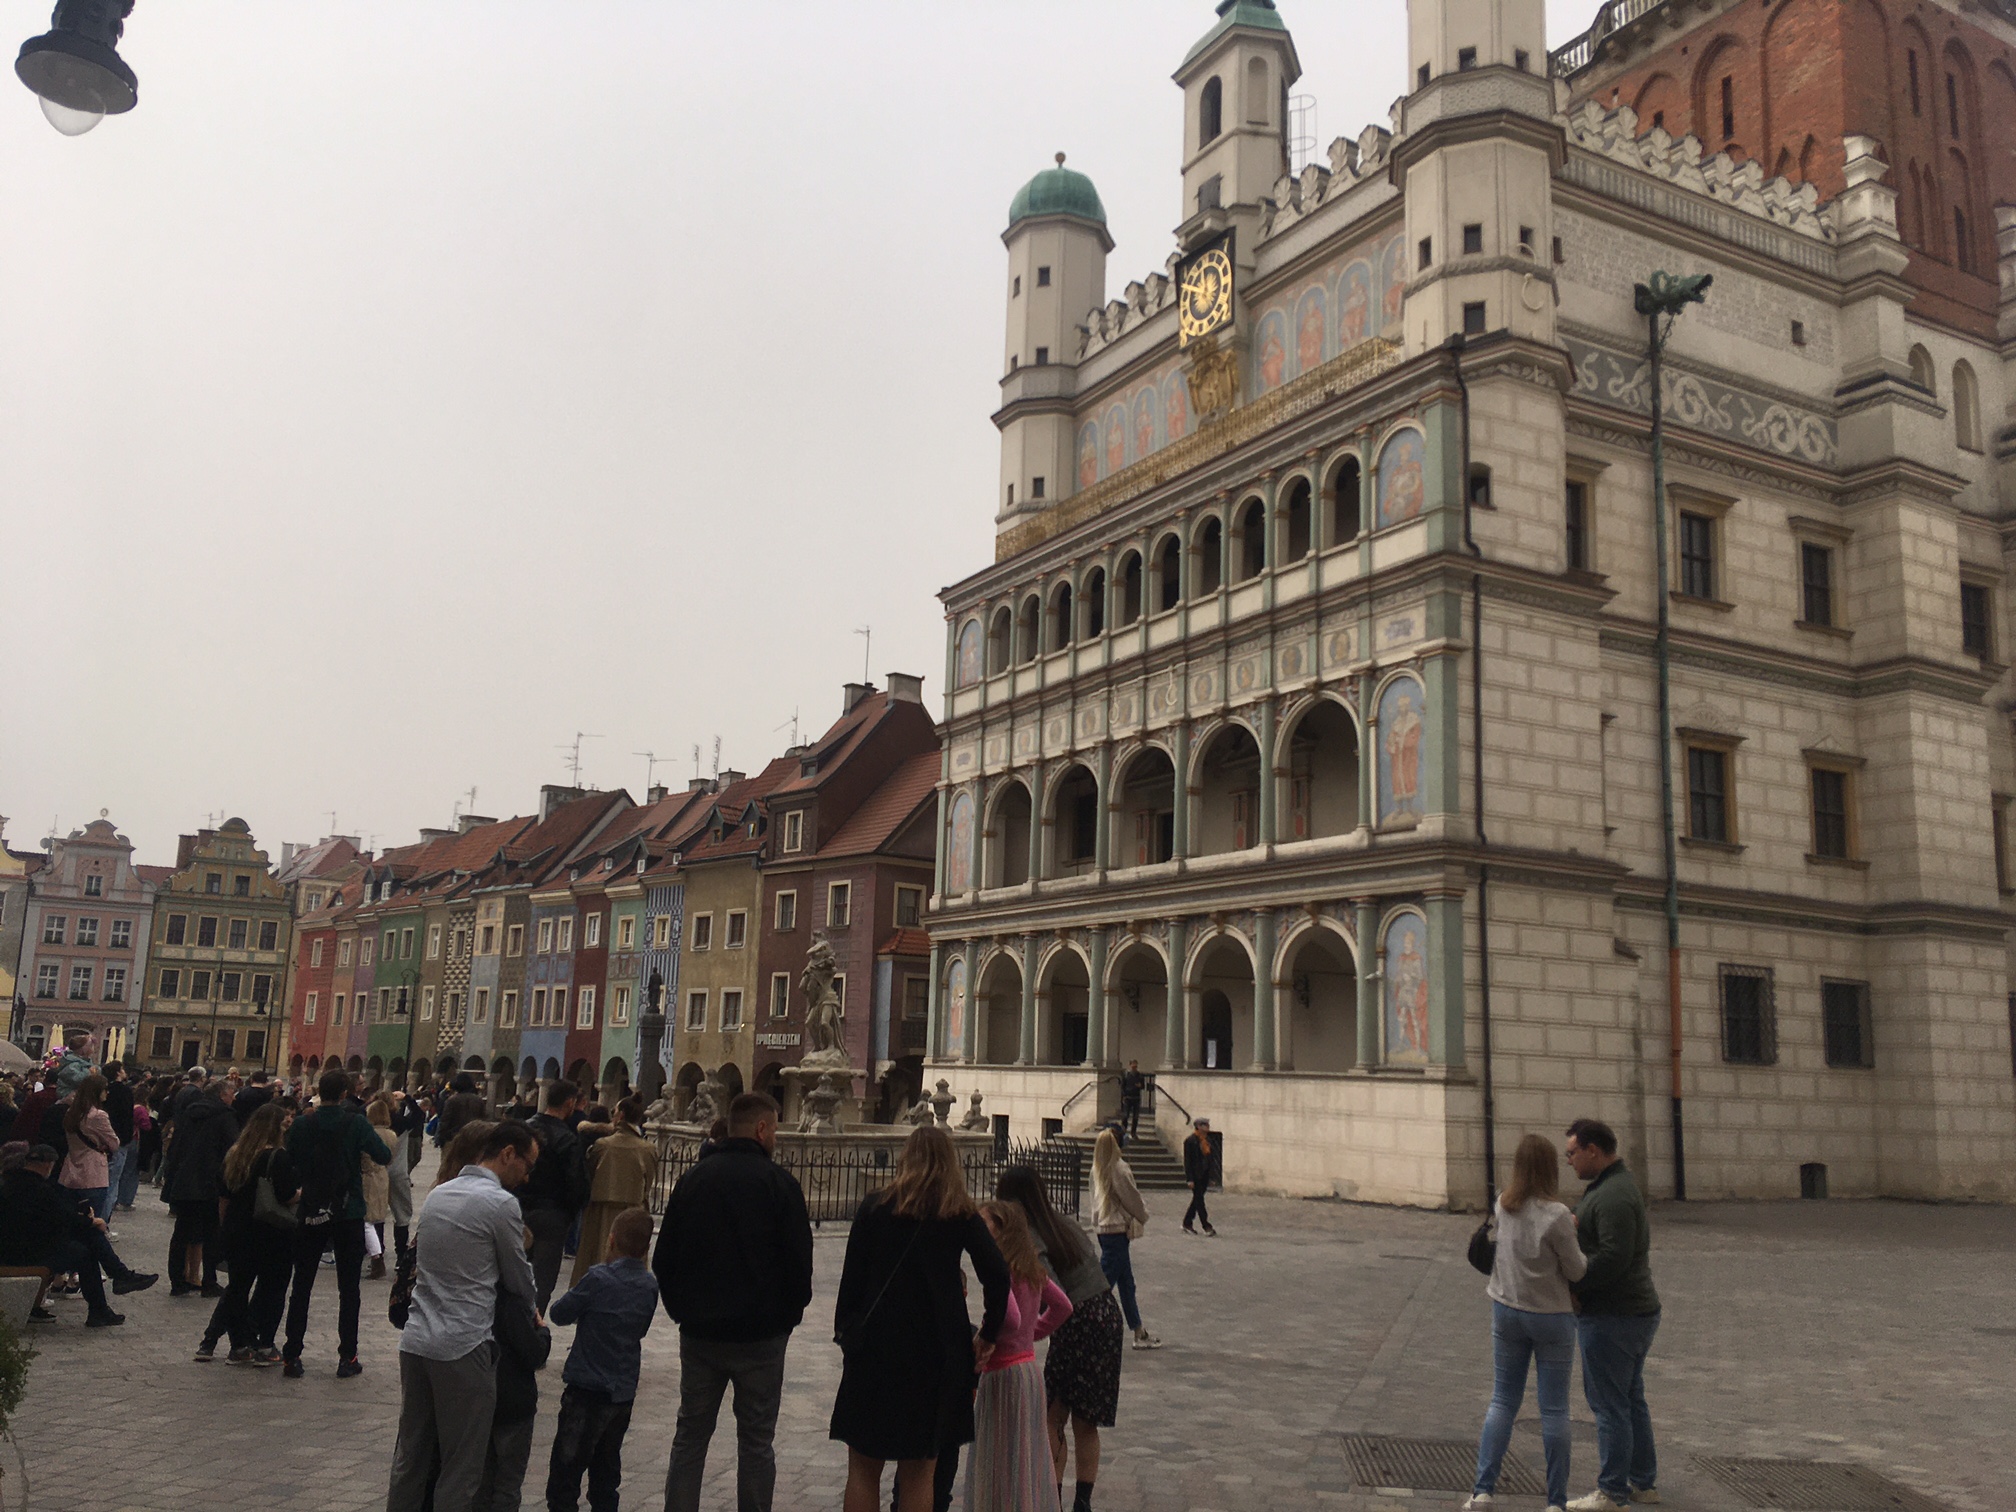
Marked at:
<point>85,932</point>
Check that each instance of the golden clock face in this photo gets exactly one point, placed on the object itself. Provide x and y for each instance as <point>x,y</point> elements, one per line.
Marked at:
<point>1206,295</point>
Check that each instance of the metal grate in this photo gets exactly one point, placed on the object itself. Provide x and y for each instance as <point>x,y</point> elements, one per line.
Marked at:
<point>1814,1486</point>
<point>1430,1465</point>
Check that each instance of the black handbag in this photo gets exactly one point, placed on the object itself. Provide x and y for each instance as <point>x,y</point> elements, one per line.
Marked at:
<point>1483,1249</point>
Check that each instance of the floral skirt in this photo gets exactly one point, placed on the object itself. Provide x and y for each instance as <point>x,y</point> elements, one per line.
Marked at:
<point>1083,1368</point>
<point>1010,1469</point>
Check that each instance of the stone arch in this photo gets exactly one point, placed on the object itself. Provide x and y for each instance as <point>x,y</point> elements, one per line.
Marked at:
<point>1318,756</point>
<point>1249,537</point>
<point>1072,807</point>
<point>969,657</point>
<point>500,1080</point>
<point>528,1074</point>
<point>1004,850</point>
<point>730,1076</point>
<point>1137,999</point>
<point>1000,640</point>
<point>1029,629</point>
<point>1224,788</point>
<point>1723,58</point>
<point>1922,371</point>
<point>1966,407</point>
<point>420,1071</point>
<point>1063,1005</point>
<point>998,1002</point>
<point>374,1071</point>
<point>1060,617</point>
<point>1660,102</point>
<point>1295,512</point>
<point>1141,803</point>
<point>1130,589</point>
<point>1218,996</point>
<point>1316,996</point>
<point>1207,544</point>
<point>1166,587</point>
<point>295,1065</point>
<point>551,1070</point>
<point>395,1073</point>
<point>1092,592</point>
<point>1402,475</point>
<point>1343,501</point>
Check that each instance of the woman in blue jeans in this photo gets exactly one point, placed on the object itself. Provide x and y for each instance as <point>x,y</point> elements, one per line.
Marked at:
<point>1120,1215</point>
<point>1532,1317</point>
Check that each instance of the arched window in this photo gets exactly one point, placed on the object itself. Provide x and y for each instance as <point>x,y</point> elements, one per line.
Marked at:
<point>1252,560</point>
<point>1127,603</point>
<point>1060,617</point>
<point>1210,112</point>
<point>1921,371</point>
<point>1347,518</point>
<point>1966,408</point>
<point>1210,557</point>
<point>1000,641</point>
<point>1168,574</point>
<point>1095,603</point>
<point>1028,629</point>
<point>1297,544</point>
<point>1257,93</point>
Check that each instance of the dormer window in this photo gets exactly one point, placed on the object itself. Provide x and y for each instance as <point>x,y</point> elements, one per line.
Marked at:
<point>794,830</point>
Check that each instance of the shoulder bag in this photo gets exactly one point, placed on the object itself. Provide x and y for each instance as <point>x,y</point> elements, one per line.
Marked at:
<point>1483,1249</point>
<point>267,1208</point>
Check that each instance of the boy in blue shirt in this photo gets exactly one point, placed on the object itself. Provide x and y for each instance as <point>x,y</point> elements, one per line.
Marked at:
<point>611,1308</point>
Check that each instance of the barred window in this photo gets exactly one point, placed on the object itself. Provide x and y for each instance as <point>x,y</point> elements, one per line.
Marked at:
<point>1749,1017</point>
<point>1845,1027</point>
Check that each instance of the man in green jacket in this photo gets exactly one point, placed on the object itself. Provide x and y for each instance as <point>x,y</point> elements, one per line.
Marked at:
<point>1618,1315</point>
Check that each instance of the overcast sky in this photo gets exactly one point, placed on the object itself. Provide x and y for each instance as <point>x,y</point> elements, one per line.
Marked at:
<point>403,388</point>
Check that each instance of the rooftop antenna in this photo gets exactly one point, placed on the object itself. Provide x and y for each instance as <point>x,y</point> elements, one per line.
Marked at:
<point>55,829</point>
<point>650,768</point>
<point>332,821</point>
<point>472,800</point>
<point>867,634</point>
<point>573,748</point>
<point>696,761</point>
<point>793,722</point>
<point>717,758</point>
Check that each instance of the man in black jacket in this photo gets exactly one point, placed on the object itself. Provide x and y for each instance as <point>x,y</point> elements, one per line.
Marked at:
<point>734,1268</point>
<point>557,1189</point>
<point>41,1224</point>
<point>1201,1161</point>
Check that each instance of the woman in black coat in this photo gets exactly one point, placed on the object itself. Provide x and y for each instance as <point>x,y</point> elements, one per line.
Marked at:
<point>906,1381</point>
<point>192,1179</point>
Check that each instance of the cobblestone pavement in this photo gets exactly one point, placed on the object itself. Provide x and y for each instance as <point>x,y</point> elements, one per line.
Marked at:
<point>1878,1333</point>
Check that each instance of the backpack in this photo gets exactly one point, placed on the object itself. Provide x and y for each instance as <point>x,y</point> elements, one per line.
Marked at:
<point>326,1178</point>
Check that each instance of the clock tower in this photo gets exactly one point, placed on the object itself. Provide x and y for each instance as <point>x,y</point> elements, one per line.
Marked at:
<point>1235,122</point>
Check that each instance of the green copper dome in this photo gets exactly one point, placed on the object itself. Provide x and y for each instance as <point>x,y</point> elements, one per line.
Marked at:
<point>1057,191</point>
<point>1231,13</point>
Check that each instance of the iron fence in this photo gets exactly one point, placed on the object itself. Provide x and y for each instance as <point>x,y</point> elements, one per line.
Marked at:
<point>837,1178</point>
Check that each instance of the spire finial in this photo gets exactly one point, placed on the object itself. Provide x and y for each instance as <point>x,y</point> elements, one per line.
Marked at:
<point>1060,160</point>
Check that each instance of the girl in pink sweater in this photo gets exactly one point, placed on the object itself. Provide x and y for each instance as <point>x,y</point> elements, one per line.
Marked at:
<point>1011,1470</point>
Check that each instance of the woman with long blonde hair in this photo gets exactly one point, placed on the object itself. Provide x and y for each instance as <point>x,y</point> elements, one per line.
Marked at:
<point>907,1344</point>
<point>1120,1216</point>
<point>260,1254</point>
<point>1532,1316</point>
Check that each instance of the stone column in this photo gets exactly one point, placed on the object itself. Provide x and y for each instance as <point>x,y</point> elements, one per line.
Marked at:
<point>1445,981</point>
<point>968,1050</point>
<point>1027,1054</point>
<point>1264,995</point>
<point>1368,752</point>
<point>1097,1052</point>
<point>1270,784</point>
<point>934,1014</point>
<point>1370,1008</point>
<point>938,849</point>
<point>1038,823</point>
<point>1174,1045</point>
<point>1180,744</point>
<point>1102,843</point>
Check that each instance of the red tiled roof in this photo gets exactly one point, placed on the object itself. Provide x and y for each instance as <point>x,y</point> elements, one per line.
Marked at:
<point>833,748</point>
<point>886,811</point>
<point>155,874</point>
<point>906,942</point>
<point>734,803</point>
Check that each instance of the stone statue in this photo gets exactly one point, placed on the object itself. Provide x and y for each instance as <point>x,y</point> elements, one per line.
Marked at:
<point>663,1110</point>
<point>825,1019</point>
<point>709,1102</point>
<point>975,1121</point>
<point>942,1101</point>
<point>920,1115</point>
<point>822,1106</point>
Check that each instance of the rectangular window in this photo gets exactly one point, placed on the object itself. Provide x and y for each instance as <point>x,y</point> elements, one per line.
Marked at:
<point>1473,239</point>
<point>1697,555</point>
<point>1577,532</point>
<point>591,932</point>
<point>909,907</point>
<point>1816,584</point>
<point>1042,356</point>
<point>228,985</point>
<point>738,929</point>
<point>1042,278</point>
<point>240,932</point>
<point>199,986</point>
<point>507,1010</point>
<point>308,1009</point>
<point>315,953</point>
<point>80,981</point>
<point>122,934</point>
<point>1728,106</point>
<point>565,941</point>
<point>558,1017</point>
<point>840,988</point>
<point>1952,107</point>
<point>839,904</point>
<point>1749,1018</point>
<point>1911,58</point>
<point>255,1044</point>
<point>405,944</point>
<point>390,947</point>
<point>584,1009</point>
<point>696,1010</point>
<point>364,951</point>
<point>731,1010</point>
<point>94,886</point>
<point>87,932</point>
<point>45,979</point>
<point>206,932</point>
<point>1976,623</point>
<point>1845,1027</point>
<point>178,929</point>
<point>481,1015</point>
<point>53,928</point>
<point>489,945</point>
<point>336,1017</point>
<point>787,910</point>
<point>164,1041</point>
<point>1424,254</point>
<point>514,940</point>
<point>262,988</point>
<point>794,830</point>
<point>626,932</point>
<point>537,1018</point>
<point>171,982</point>
<point>661,932</point>
<point>115,984</point>
<point>241,886</point>
<point>1830,813</point>
<point>703,931</point>
<point>426,1004</point>
<point>780,994</point>
<point>227,1044</point>
<point>213,883</point>
<point>1707,793</point>
<point>619,1007</point>
<point>545,936</point>
<point>433,942</point>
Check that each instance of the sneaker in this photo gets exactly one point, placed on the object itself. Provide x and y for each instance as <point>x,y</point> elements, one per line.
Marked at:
<point>111,1234</point>
<point>239,1357</point>
<point>1595,1501</point>
<point>1145,1340</point>
<point>266,1356</point>
<point>181,1289</point>
<point>105,1319</point>
<point>1210,1232</point>
<point>206,1351</point>
<point>292,1369</point>
<point>133,1281</point>
<point>1188,1230</point>
<point>1481,1502</point>
<point>350,1367</point>
<point>40,1314</point>
<point>1645,1496</point>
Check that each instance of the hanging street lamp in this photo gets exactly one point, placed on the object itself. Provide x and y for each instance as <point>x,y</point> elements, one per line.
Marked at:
<point>75,69</point>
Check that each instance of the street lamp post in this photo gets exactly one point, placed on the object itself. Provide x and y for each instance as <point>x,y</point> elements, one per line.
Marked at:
<point>1660,300</point>
<point>75,69</point>
<point>408,980</point>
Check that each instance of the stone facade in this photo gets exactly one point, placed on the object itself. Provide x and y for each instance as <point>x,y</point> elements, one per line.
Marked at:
<point>1382,544</point>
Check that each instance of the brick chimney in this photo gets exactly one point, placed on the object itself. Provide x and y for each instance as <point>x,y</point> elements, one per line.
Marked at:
<point>552,795</point>
<point>467,822</point>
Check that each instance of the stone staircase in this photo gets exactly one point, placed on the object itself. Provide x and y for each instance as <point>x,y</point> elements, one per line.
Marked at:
<point>1155,1169</point>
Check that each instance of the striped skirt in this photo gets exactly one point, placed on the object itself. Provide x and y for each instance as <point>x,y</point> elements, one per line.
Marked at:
<point>1010,1468</point>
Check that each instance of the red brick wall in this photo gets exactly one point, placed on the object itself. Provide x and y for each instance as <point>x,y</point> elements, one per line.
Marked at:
<point>1804,73</point>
